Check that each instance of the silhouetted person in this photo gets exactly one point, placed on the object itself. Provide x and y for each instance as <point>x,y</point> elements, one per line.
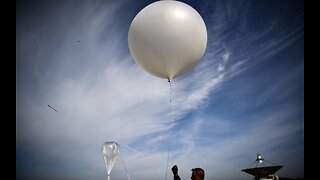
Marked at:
<point>197,173</point>
<point>175,173</point>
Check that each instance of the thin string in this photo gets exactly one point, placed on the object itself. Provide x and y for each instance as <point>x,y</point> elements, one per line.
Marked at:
<point>170,134</point>
<point>125,167</point>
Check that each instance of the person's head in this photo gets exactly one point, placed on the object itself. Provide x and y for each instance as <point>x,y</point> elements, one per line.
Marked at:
<point>197,174</point>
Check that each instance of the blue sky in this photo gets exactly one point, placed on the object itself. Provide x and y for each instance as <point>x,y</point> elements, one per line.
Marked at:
<point>245,96</point>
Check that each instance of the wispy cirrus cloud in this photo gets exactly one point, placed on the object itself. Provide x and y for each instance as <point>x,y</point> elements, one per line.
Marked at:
<point>102,95</point>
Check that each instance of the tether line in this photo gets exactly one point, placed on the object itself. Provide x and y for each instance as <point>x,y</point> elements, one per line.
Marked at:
<point>171,122</point>
<point>125,168</point>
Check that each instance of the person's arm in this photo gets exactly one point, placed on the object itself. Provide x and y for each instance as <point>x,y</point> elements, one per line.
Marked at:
<point>175,173</point>
<point>176,177</point>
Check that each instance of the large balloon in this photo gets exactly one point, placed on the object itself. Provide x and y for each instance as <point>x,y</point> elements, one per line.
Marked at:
<point>167,38</point>
<point>110,151</point>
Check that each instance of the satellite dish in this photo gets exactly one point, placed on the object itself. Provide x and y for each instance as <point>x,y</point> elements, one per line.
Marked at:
<point>263,172</point>
<point>167,38</point>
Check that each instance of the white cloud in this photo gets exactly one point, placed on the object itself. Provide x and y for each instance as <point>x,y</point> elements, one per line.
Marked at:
<point>102,95</point>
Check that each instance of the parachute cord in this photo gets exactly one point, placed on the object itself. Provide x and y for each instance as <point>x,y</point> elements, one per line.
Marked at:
<point>170,134</point>
<point>125,167</point>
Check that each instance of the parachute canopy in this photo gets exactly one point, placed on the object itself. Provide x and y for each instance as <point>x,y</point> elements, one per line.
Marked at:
<point>110,151</point>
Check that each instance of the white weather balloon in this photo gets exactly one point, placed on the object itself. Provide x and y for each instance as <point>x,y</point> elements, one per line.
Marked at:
<point>167,38</point>
<point>110,151</point>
